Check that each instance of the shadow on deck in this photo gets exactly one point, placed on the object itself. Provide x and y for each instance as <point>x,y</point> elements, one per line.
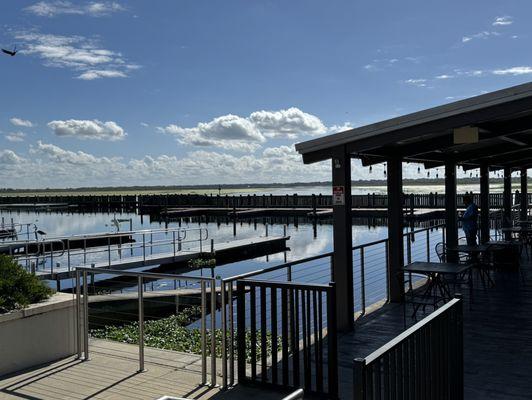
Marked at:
<point>497,338</point>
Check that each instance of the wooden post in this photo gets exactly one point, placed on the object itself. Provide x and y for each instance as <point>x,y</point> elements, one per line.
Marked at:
<point>484,204</point>
<point>342,234</point>
<point>395,228</point>
<point>507,197</point>
<point>524,195</point>
<point>451,233</point>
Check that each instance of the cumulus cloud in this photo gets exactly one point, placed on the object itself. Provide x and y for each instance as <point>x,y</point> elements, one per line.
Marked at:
<point>60,7</point>
<point>63,167</point>
<point>67,157</point>
<point>229,132</point>
<point>515,71</point>
<point>21,122</point>
<point>503,21</point>
<point>88,129</point>
<point>15,136</point>
<point>9,158</point>
<point>289,123</point>
<point>83,55</point>
<point>233,132</point>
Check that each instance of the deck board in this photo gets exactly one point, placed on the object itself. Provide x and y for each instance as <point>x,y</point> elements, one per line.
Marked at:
<point>497,337</point>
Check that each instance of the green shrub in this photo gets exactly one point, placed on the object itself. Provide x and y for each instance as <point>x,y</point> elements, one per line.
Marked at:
<point>19,288</point>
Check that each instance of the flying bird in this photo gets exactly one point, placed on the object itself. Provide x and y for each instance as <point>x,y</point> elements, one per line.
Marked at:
<point>10,52</point>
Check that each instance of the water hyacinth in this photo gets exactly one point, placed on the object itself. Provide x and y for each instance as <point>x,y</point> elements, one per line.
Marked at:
<point>172,333</point>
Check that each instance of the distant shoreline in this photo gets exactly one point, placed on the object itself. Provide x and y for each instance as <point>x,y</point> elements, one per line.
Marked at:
<point>228,188</point>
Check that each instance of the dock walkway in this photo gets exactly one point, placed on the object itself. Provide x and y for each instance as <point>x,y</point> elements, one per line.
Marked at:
<point>221,249</point>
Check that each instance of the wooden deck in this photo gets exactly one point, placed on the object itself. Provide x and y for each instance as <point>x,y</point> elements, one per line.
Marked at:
<point>111,373</point>
<point>497,338</point>
<point>497,352</point>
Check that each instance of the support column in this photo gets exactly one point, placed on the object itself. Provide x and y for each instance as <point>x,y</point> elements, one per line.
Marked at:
<point>523,201</point>
<point>507,197</point>
<point>451,232</point>
<point>395,228</point>
<point>484,204</point>
<point>343,241</point>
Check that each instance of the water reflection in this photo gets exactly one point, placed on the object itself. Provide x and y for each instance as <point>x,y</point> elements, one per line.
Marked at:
<point>307,237</point>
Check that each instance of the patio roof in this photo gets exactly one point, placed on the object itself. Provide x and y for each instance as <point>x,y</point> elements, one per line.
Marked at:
<point>503,120</point>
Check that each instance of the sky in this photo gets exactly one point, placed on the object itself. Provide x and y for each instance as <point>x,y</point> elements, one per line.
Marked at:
<point>180,92</point>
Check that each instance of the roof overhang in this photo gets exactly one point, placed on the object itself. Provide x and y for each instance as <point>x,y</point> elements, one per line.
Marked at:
<point>503,120</point>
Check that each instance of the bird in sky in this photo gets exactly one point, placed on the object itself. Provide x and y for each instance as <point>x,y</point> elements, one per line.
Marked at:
<point>11,52</point>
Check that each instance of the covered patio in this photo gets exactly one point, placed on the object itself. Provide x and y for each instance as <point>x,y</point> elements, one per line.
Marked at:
<point>490,132</point>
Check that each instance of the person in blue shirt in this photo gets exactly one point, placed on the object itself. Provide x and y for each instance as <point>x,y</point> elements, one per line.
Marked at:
<point>469,220</point>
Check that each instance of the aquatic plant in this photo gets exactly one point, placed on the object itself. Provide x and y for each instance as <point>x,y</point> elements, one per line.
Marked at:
<point>19,288</point>
<point>171,333</point>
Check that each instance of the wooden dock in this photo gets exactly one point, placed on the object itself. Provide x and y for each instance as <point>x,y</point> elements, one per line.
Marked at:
<point>236,247</point>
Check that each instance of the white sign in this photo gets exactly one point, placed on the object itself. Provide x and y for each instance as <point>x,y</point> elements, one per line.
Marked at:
<point>338,197</point>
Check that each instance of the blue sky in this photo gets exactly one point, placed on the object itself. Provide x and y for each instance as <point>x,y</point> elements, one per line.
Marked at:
<point>191,92</point>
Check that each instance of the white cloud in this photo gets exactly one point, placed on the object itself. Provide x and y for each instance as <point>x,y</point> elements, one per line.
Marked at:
<point>230,132</point>
<point>60,7</point>
<point>77,53</point>
<point>62,156</point>
<point>523,70</point>
<point>480,35</point>
<point>21,122</point>
<point>416,82</point>
<point>233,132</point>
<point>97,74</point>
<point>444,76</point>
<point>503,21</point>
<point>9,158</point>
<point>287,123</point>
<point>88,129</point>
<point>15,136</point>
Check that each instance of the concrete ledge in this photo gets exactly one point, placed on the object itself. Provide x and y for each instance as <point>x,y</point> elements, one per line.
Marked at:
<point>55,302</point>
<point>39,334</point>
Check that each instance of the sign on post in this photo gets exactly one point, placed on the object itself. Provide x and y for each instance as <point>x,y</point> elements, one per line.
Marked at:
<point>338,197</point>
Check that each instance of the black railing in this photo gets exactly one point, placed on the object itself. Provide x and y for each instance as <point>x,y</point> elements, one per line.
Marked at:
<point>424,362</point>
<point>300,349</point>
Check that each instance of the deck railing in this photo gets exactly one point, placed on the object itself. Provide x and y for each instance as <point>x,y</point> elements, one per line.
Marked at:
<point>65,253</point>
<point>304,336</point>
<point>205,296</point>
<point>370,281</point>
<point>424,362</point>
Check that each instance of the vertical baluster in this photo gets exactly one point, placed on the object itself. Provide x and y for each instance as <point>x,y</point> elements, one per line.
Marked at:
<point>295,336</point>
<point>284,334</point>
<point>141,324</point>
<point>332,341</point>
<point>273,294</point>
<point>241,330</point>
<point>319,374</point>
<point>253,332</point>
<point>203,329</point>
<point>231,338</point>
<point>263,330</point>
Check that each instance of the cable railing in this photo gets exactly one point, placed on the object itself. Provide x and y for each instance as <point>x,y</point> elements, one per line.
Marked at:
<point>370,264</point>
<point>63,254</point>
<point>147,319</point>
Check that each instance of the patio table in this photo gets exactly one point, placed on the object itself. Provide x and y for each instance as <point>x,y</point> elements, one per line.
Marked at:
<point>438,286</point>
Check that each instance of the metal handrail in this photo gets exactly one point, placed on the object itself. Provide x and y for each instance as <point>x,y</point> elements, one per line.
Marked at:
<point>177,236</point>
<point>227,288</point>
<point>82,313</point>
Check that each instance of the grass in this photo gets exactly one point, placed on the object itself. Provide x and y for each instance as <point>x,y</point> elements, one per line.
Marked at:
<point>172,333</point>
